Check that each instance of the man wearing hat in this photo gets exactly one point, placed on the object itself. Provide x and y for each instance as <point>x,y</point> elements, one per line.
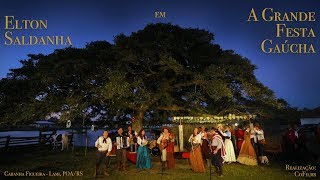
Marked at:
<point>166,144</point>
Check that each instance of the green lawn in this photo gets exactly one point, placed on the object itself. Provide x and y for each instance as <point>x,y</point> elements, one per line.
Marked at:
<point>44,160</point>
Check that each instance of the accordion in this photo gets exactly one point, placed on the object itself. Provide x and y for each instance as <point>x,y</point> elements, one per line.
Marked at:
<point>122,142</point>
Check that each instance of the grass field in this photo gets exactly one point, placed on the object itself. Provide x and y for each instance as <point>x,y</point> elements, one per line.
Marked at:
<point>44,160</point>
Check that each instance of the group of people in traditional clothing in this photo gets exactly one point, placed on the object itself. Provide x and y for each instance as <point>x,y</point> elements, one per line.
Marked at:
<point>250,145</point>
<point>207,147</point>
<point>122,141</point>
<point>215,147</point>
<point>129,141</point>
<point>221,144</point>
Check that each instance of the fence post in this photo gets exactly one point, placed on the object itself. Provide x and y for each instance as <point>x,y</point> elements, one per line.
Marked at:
<point>40,136</point>
<point>7,143</point>
<point>72,141</point>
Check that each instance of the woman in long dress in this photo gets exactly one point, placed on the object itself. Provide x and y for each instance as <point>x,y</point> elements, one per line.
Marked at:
<point>195,153</point>
<point>205,146</point>
<point>239,133</point>
<point>231,157</point>
<point>143,157</point>
<point>247,154</point>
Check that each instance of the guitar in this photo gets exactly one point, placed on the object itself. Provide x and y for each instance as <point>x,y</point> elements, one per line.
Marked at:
<point>163,145</point>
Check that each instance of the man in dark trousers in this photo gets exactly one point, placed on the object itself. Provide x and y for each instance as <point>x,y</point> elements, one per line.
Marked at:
<point>104,147</point>
<point>218,151</point>
<point>122,143</point>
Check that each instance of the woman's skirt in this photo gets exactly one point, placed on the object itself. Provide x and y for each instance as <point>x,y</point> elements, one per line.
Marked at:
<point>247,154</point>
<point>143,158</point>
<point>196,160</point>
<point>231,157</point>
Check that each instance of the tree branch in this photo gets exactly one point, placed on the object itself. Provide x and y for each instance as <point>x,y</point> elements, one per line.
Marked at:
<point>171,108</point>
<point>187,84</point>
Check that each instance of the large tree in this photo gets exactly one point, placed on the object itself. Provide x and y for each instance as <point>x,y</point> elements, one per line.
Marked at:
<point>63,81</point>
<point>158,71</point>
<point>168,68</point>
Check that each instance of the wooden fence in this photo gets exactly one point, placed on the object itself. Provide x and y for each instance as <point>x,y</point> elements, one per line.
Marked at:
<point>44,138</point>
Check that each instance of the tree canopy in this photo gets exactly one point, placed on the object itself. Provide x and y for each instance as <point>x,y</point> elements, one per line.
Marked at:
<point>157,72</point>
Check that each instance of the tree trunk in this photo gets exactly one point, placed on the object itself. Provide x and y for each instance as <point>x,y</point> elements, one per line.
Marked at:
<point>137,124</point>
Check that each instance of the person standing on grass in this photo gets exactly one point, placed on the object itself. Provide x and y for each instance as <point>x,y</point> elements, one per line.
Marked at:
<point>233,138</point>
<point>218,151</point>
<point>104,147</point>
<point>239,133</point>
<point>166,145</point>
<point>260,145</point>
<point>247,155</point>
<point>133,139</point>
<point>253,139</point>
<point>292,143</point>
<point>231,157</point>
<point>143,157</point>
<point>195,153</point>
<point>122,142</point>
<point>205,151</point>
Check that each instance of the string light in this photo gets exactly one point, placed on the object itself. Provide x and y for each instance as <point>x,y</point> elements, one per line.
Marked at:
<point>211,119</point>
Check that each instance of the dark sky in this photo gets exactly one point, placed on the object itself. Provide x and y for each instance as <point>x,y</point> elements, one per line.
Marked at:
<point>294,77</point>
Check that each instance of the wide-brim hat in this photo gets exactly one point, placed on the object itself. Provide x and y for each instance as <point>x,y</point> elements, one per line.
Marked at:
<point>166,127</point>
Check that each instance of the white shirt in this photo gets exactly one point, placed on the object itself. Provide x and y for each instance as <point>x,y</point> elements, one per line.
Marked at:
<point>142,141</point>
<point>253,135</point>
<point>296,133</point>
<point>201,134</point>
<point>260,134</point>
<point>216,142</point>
<point>196,139</point>
<point>227,134</point>
<point>105,146</point>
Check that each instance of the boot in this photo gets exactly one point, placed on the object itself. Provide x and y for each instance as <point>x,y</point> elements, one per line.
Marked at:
<point>216,170</point>
<point>95,172</point>
<point>163,164</point>
<point>220,172</point>
<point>106,172</point>
<point>208,162</point>
<point>124,168</point>
<point>119,166</point>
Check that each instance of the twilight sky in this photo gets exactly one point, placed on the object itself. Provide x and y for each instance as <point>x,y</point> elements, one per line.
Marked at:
<point>294,77</point>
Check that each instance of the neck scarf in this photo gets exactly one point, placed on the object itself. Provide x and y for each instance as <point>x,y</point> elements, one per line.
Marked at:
<point>223,149</point>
